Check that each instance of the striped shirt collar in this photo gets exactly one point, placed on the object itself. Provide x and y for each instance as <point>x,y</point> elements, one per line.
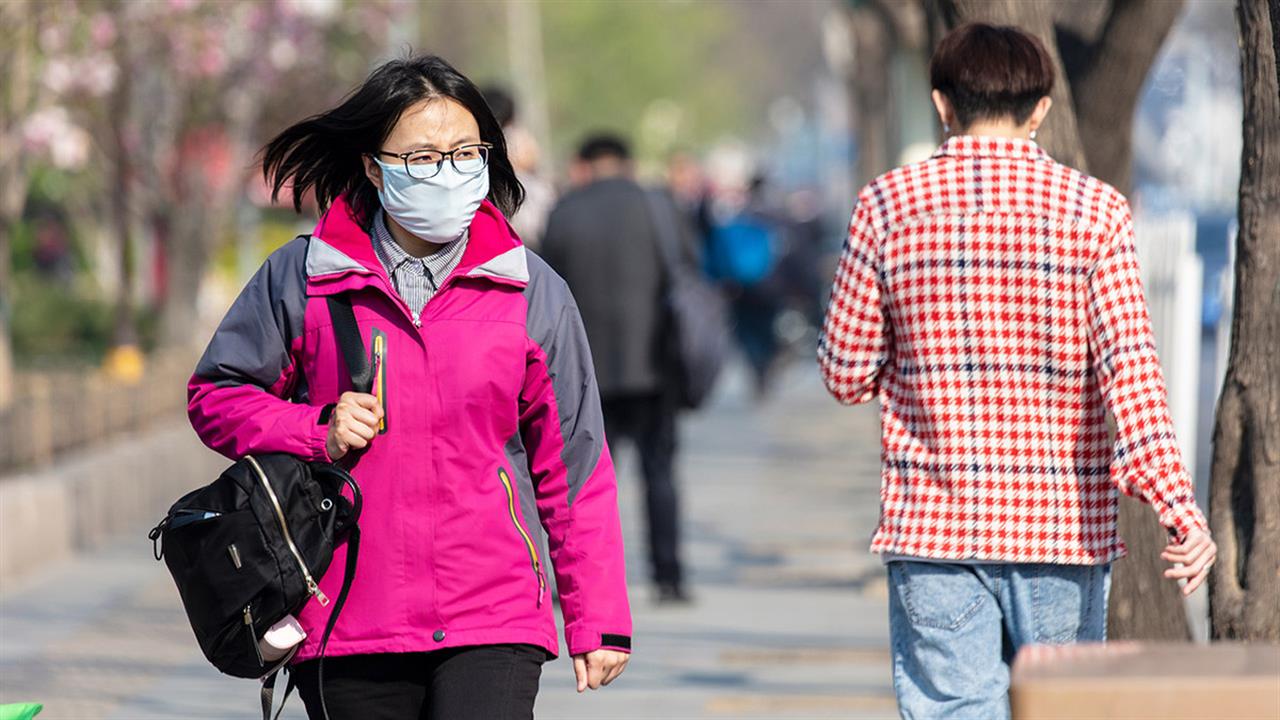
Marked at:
<point>986,146</point>
<point>415,280</point>
<point>393,256</point>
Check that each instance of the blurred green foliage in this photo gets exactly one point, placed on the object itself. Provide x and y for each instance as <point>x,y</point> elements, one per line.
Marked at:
<point>631,66</point>
<point>51,320</point>
<point>60,323</point>
<point>664,73</point>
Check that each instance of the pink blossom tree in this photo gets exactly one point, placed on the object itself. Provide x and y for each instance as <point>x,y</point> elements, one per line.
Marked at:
<point>157,106</point>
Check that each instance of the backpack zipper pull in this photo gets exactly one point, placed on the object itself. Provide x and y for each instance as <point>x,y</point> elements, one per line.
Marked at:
<point>314,589</point>
<point>253,636</point>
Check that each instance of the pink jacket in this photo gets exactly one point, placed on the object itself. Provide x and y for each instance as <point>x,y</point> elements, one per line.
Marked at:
<point>494,451</point>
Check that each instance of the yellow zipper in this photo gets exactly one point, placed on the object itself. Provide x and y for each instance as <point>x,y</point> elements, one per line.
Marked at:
<point>533,549</point>
<point>380,378</point>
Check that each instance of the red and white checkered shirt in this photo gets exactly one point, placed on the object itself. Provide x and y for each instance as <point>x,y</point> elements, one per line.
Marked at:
<point>990,298</point>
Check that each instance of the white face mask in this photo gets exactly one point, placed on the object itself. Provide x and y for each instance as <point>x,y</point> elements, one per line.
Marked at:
<point>438,209</point>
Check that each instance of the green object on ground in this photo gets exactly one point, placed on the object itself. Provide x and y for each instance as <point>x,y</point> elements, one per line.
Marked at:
<point>20,711</point>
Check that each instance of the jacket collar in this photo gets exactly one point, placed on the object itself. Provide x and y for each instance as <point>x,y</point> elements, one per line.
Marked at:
<point>341,247</point>
<point>974,146</point>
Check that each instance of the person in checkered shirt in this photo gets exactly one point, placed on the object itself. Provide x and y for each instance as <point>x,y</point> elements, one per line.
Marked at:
<point>989,298</point>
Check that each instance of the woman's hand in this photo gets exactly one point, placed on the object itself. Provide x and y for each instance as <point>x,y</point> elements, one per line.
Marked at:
<point>353,424</point>
<point>598,667</point>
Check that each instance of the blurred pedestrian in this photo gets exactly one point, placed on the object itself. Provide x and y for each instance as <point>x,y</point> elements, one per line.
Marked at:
<point>807,239</point>
<point>526,158</point>
<point>603,239</point>
<point>691,191</point>
<point>485,427</point>
<point>989,297</point>
<point>743,254</point>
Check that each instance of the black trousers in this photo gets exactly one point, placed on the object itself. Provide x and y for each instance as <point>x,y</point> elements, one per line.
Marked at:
<point>484,682</point>
<point>650,422</point>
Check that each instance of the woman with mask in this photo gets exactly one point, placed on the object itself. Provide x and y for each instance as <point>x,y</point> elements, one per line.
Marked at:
<point>484,430</point>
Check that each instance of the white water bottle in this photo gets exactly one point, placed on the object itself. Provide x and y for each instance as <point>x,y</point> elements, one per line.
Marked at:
<point>280,638</point>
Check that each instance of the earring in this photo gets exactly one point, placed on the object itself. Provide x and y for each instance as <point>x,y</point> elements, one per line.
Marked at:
<point>946,128</point>
<point>1033,134</point>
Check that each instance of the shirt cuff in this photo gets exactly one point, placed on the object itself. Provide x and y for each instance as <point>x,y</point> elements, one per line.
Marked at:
<point>1185,517</point>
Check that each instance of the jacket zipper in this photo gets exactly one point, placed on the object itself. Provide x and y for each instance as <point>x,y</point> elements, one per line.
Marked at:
<point>312,587</point>
<point>533,550</point>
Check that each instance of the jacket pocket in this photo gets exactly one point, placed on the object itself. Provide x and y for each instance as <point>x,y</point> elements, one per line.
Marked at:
<point>524,535</point>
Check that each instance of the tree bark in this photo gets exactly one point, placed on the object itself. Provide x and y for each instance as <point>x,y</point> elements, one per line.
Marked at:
<point>1143,604</point>
<point>1273,9</point>
<point>1106,83</point>
<point>872,108</point>
<point>123,194</point>
<point>1244,502</point>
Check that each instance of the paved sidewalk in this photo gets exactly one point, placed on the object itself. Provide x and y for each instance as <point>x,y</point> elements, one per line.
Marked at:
<point>789,619</point>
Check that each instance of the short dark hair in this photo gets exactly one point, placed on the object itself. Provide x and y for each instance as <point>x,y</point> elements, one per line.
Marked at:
<point>325,152</point>
<point>990,71</point>
<point>603,145</point>
<point>501,103</point>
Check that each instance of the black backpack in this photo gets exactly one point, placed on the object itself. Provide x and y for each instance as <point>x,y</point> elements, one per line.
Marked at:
<point>250,547</point>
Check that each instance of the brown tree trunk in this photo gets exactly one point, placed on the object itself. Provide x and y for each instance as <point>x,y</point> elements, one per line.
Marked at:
<point>1143,604</point>
<point>1273,9</point>
<point>187,237</point>
<point>1106,84</point>
<point>872,106</point>
<point>1244,502</point>
<point>123,208</point>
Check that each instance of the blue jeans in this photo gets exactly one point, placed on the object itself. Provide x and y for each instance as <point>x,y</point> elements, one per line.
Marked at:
<point>955,629</point>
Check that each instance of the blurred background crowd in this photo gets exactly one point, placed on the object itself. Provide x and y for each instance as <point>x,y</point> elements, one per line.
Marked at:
<point>132,210</point>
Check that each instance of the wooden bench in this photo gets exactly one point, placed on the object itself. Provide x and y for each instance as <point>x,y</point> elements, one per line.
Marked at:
<point>1161,681</point>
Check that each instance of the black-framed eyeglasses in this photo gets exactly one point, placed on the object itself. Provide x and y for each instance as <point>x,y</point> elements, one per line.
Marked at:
<point>426,164</point>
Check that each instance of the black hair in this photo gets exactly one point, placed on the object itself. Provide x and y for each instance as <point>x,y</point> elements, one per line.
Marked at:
<point>501,103</point>
<point>324,152</point>
<point>990,71</point>
<point>603,145</point>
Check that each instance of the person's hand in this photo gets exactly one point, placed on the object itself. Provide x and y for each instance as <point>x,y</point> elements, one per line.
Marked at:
<point>1191,560</point>
<point>598,668</point>
<point>353,424</point>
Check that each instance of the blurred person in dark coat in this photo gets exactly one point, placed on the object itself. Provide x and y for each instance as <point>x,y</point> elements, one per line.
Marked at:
<point>602,238</point>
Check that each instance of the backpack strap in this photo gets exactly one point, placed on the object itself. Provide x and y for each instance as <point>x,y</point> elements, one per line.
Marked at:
<point>349,341</point>
<point>269,683</point>
<point>269,690</point>
<point>348,574</point>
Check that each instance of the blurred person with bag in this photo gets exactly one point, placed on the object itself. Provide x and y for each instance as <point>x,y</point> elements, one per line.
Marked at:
<point>603,237</point>
<point>484,430</point>
<point>989,297</point>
